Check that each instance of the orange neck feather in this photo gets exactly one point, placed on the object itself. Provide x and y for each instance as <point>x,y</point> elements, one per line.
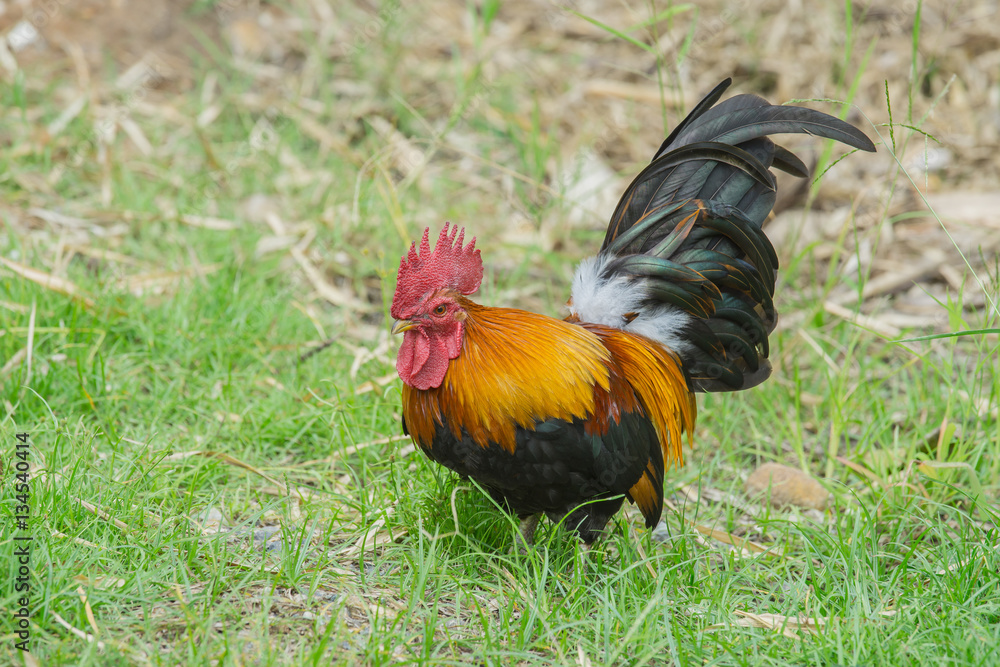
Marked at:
<point>515,368</point>
<point>518,367</point>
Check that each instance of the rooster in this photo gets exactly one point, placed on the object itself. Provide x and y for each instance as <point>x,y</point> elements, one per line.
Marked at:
<point>569,418</point>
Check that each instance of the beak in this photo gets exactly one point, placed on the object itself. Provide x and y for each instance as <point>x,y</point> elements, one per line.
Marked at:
<point>402,325</point>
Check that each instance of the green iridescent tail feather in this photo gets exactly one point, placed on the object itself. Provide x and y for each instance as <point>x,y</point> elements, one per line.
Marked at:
<point>689,228</point>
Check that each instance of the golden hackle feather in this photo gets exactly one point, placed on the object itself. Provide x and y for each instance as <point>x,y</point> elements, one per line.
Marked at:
<point>518,367</point>
<point>655,375</point>
<point>515,369</point>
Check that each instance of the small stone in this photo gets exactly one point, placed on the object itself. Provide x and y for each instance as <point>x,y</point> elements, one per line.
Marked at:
<point>786,486</point>
<point>211,520</point>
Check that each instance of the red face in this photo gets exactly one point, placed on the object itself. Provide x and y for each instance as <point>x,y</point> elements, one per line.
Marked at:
<point>432,336</point>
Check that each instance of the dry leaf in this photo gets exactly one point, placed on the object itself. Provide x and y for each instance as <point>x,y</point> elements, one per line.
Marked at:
<point>788,625</point>
<point>738,542</point>
<point>48,281</point>
<point>208,222</point>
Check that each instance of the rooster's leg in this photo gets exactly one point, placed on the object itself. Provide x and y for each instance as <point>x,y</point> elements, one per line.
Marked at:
<point>526,531</point>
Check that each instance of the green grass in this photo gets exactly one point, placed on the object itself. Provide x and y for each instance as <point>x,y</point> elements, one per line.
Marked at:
<point>203,492</point>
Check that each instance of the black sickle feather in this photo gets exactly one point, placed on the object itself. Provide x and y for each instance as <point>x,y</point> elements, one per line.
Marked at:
<point>688,229</point>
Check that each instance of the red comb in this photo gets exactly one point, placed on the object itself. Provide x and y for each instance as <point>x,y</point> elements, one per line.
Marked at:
<point>450,265</point>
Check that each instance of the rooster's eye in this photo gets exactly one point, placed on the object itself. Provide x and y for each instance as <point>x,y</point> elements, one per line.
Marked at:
<point>440,310</point>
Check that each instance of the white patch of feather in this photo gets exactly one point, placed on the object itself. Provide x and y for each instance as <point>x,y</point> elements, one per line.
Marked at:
<point>608,301</point>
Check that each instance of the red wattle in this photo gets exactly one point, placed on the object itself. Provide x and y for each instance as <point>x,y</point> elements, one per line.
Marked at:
<point>423,361</point>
